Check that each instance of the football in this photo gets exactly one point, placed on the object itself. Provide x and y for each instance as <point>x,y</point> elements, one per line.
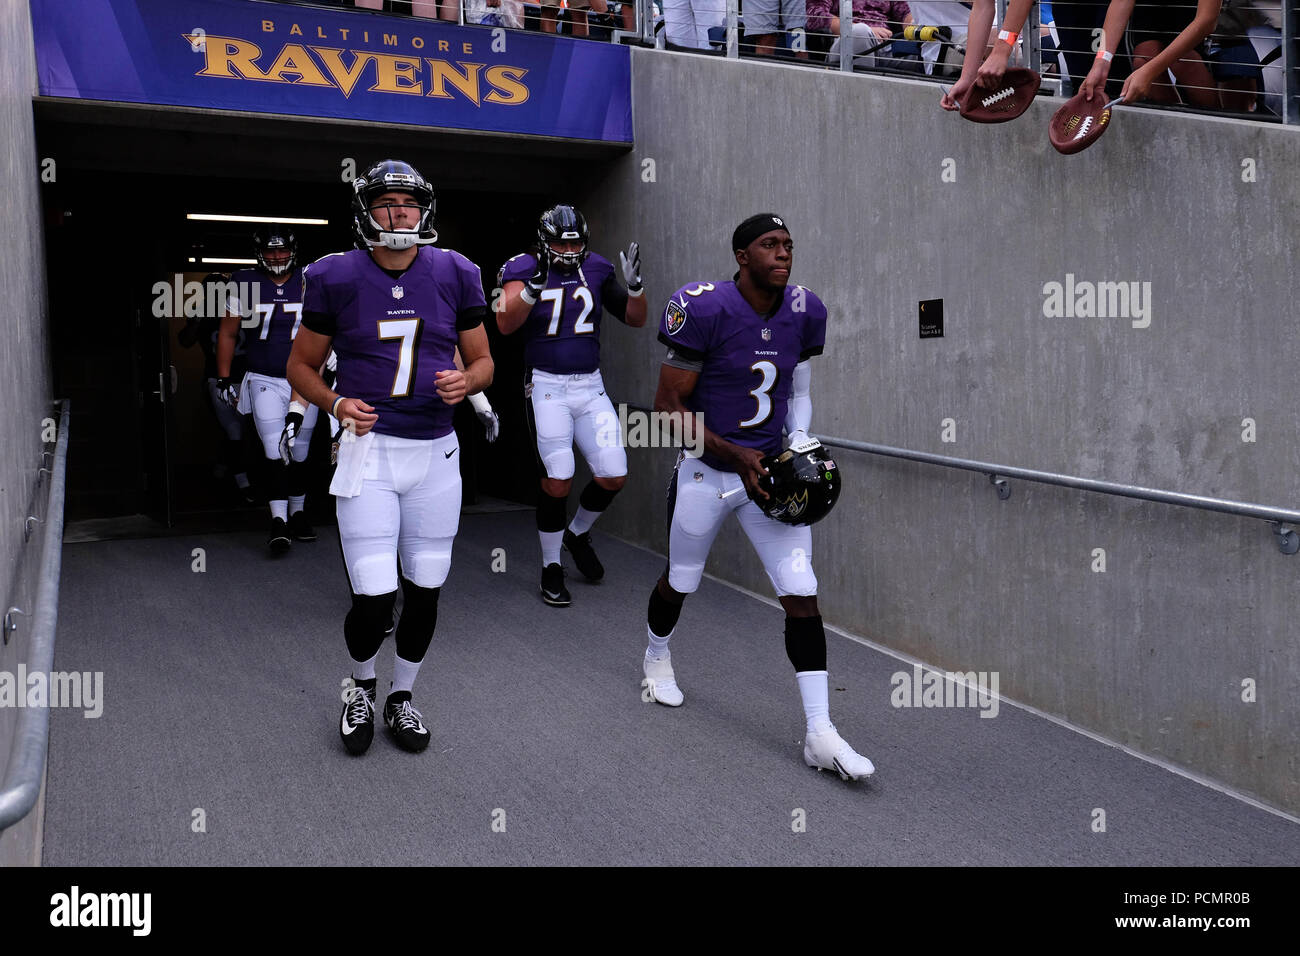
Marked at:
<point>1005,101</point>
<point>1078,124</point>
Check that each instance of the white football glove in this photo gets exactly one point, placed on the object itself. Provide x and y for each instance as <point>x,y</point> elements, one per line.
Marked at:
<point>483,409</point>
<point>800,441</point>
<point>631,263</point>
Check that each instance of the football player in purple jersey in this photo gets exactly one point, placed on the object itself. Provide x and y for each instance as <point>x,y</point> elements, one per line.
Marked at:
<point>556,294</point>
<point>284,423</point>
<point>738,355</point>
<point>394,314</point>
<point>204,332</point>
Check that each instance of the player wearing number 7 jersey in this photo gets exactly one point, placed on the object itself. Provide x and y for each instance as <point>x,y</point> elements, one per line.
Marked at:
<point>738,355</point>
<point>284,424</point>
<point>394,313</point>
<point>557,294</point>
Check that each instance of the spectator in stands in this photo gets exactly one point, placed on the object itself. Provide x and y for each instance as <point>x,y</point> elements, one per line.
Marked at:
<point>495,13</point>
<point>687,22</point>
<point>1155,28</point>
<point>874,22</point>
<point>430,9</point>
<point>577,14</point>
<point>762,23</point>
<point>942,58</point>
<point>1233,60</point>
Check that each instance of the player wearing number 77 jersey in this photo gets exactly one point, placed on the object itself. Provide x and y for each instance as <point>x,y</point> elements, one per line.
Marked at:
<point>284,423</point>
<point>738,354</point>
<point>557,294</point>
<point>395,314</point>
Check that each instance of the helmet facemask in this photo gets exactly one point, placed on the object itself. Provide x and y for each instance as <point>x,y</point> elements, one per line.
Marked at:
<point>376,225</point>
<point>271,241</point>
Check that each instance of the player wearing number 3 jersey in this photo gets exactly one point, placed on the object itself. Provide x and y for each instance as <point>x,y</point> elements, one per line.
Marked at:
<point>394,314</point>
<point>738,354</point>
<point>556,295</point>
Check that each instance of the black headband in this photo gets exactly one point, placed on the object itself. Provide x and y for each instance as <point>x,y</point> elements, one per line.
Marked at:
<point>755,226</point>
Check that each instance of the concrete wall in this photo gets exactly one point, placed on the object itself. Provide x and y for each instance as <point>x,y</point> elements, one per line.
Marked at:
<point>1151,653</point>
<point>24,367</point>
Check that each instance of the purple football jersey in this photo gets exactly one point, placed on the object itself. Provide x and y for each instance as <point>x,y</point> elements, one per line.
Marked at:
<point>392,335</point>
<point>749,359</point>
<point>277,311</point>
<point>562,332</point>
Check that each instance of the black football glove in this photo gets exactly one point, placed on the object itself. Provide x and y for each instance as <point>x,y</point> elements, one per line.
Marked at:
<point>292,423</point>
<point>228,389</point>
<point>537,283</point>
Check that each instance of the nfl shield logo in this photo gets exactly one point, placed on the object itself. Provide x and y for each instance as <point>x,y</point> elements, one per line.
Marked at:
<point>674,317</point>
<point>767,335</point>
<point>398,292</point>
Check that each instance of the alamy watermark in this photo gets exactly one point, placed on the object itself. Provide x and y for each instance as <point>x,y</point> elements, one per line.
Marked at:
<point>75,689</point>
<point>930,688</point>
<point>634,428</point>
<point>179,299</point>
<point>1075,299</point>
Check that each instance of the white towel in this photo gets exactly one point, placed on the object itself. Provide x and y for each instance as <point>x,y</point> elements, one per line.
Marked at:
<point>351,470</point>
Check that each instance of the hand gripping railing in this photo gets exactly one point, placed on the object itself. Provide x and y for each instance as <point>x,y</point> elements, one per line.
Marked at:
<point>1288,540</point>
<point>22,780</point>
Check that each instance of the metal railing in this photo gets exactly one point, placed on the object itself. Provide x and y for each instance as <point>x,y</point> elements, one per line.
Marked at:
<point>1288,540</point>
<point>22,780</point>
<point>1273,35</point>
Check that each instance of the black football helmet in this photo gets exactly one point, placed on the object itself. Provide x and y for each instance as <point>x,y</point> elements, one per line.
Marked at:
<point>275,237</point>
<point>803,482</point>
<point>561,224</point>
<point>391,175</point>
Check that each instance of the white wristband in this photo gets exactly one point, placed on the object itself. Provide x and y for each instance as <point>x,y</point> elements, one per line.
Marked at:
<point>1105,55</point>
<point>298,407</point>
<point>528,297</point>
<point>636,293</point>
<point>334,409</point>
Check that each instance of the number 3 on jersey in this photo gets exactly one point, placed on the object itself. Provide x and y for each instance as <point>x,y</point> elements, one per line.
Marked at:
<point>556,298</point>
<point>764,411</point>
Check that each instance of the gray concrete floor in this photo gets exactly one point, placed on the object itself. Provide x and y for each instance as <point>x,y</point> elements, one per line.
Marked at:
<point>221,695</point>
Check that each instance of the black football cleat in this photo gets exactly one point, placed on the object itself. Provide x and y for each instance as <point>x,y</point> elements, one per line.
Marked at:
<point>278,539</point>
<point>357,725</point>
<point>405,723</point>
<point>553,590</point>
<point>298,527</point>
<point>579,545</point>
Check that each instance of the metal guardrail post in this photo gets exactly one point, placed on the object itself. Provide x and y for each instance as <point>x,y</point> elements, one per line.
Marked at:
<point>733,29</point>
<point>1290,79</point>
<point>846,36</point>
<point>22,780</point>
<point>1034,40</point>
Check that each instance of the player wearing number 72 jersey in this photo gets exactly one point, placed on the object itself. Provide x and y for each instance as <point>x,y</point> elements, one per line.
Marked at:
<point>556,295</point>
<point>738,355</point>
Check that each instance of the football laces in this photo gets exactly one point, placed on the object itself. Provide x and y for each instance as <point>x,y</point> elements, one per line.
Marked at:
<point>1083,129</point>
<point>1001,94</point>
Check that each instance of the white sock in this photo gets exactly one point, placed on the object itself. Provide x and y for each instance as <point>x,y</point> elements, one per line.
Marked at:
<point>815,691</point>
<point>583,520</point>
<point>280,509</point>
<point>241,480</point>
<point>364,670</point>
<point>404,673</point>
<point>296,502</point>
<point>657,650</point>
<point>551,542</point>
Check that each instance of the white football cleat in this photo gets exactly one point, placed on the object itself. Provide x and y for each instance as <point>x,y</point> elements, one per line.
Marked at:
<point>660,685</point>
<point>828,751</point>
